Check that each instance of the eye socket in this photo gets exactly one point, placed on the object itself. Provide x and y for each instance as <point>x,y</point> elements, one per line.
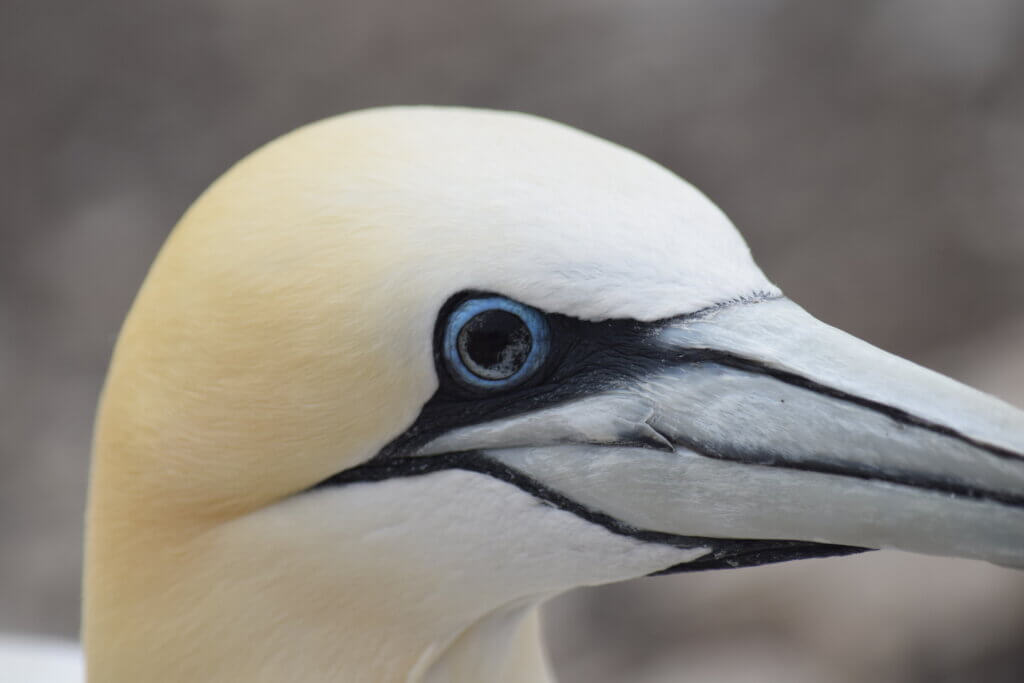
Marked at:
<point>495,343</point>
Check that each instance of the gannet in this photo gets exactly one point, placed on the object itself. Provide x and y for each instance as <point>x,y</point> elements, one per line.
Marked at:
<point>401,375</point>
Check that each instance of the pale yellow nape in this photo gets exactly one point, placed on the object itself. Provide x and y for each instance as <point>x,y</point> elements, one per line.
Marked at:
<point>261,355</point>
<point>284,334</point>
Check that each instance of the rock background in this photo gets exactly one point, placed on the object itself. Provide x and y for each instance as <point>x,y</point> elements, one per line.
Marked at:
<point>871,152</point>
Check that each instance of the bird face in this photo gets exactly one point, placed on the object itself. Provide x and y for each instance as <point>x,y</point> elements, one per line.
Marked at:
<point>491,357</point>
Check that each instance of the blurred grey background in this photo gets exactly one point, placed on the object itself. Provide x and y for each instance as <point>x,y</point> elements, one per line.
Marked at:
<point>872,153</point>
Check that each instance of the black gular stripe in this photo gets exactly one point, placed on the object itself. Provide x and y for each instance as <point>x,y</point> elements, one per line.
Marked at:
<point>722,553</point>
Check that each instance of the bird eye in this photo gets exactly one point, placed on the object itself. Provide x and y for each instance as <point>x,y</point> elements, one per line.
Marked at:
<point>495,343</point>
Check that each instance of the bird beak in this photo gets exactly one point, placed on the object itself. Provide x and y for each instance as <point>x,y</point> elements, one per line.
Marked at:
<point>759,422</point>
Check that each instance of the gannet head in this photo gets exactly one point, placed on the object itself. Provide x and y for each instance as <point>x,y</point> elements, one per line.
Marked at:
<point>407,368</point>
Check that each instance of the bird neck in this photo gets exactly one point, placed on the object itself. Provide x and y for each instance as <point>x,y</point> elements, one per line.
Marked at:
<point>321,587</point>
<point>216,607</point>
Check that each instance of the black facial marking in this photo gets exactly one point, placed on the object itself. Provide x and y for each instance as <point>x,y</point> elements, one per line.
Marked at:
<point>726,554</point>
<point>585,358</point>
<point>588,358</point>
<point>723,553</point>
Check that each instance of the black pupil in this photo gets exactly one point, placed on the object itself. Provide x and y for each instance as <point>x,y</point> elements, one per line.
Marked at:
<point>494,344</point>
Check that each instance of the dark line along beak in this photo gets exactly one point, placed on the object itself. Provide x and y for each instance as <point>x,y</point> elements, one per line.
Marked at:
<point>763,423</point>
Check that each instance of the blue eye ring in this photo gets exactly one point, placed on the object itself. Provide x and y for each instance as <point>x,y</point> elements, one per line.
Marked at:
<point>518,364</point>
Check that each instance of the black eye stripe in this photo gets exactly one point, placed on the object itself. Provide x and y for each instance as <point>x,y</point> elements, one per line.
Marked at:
<point>584,358</point>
